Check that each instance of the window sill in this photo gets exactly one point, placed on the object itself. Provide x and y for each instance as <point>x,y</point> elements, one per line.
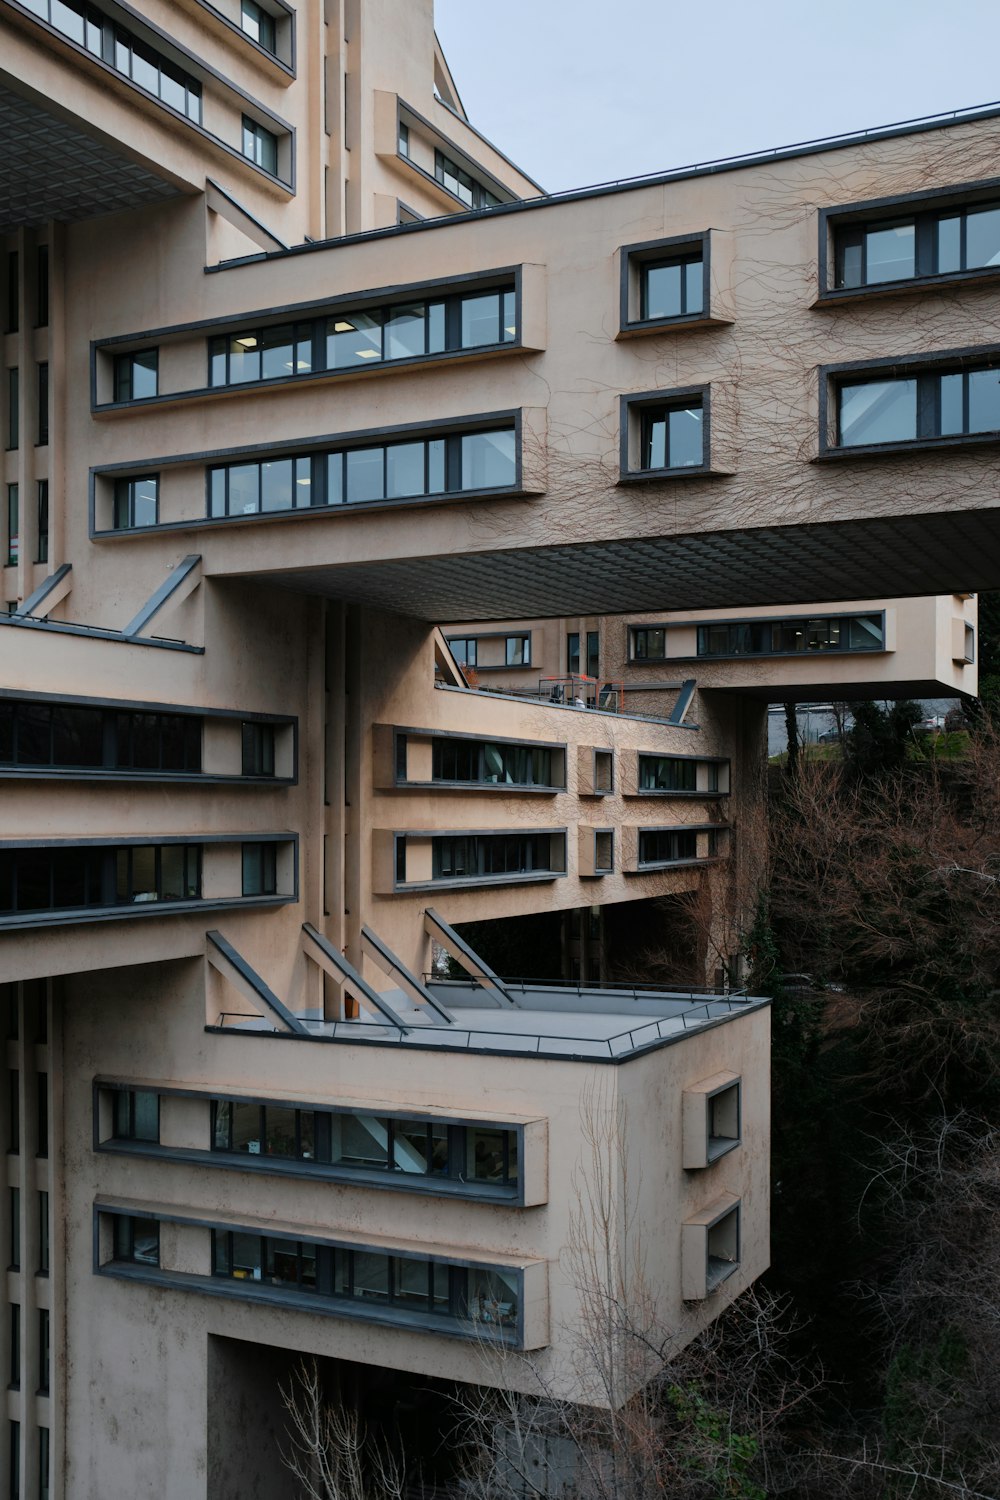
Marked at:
<point>74,916</point>
<point>509,788</point>
<point>98,773</point>
<point>321,1172</point>
<point>737,656</point>
<point>648,476</point>
<point>913,286</point>
<point>910,445</point>
<point>675,864</point>
<point>706,796</point>
<point>456,882</point>
<point>684,324</point>
<point>316,512</point>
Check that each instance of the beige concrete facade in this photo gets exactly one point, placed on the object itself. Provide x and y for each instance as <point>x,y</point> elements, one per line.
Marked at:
<point>296,368</point>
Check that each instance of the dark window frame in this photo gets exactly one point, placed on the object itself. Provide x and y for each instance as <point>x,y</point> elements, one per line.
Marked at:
<point>933,203</point>
<point>480,196</point>
<point>634,261</point>
<point>635,411</point>
<point>919,367</point>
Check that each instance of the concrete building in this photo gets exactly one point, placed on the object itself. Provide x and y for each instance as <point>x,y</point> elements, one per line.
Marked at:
<point>297,368</point>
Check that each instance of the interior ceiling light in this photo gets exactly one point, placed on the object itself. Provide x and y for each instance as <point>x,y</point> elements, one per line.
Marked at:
<point>341,327</point>
<point>368,354</point>
<point>248,341</point>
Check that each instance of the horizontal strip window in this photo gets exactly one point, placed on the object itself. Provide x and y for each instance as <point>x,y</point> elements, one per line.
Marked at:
<point>479,855</point>
<point>113,44</point>
<point>70,878</point>
<point>355,476</point>
<point>665,846</point>
<point>516,650</point>
<point>472,192</point>
<point>491,764</point>
<point>472,1294</point>
<point>671,773</point>
<point>34,733</point>
<point>353,340</point>
<point>919,406</point>
<point>912,246</point>
<point>367,1143</point>
<point>790,637</point>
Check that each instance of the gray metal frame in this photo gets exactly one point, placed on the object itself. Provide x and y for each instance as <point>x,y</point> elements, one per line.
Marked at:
<point>631,407</point>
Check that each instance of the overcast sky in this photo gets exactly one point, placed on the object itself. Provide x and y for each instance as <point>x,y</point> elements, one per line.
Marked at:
<point>585,91</point>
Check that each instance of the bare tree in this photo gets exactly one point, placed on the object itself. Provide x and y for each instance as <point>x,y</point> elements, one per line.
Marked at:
<point>327,1452</point>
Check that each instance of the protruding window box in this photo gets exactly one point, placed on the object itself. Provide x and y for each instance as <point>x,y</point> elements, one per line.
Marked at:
<point>595,771</point>
<point>433,1289</point>
<point>428,860</point>
<point>673,434</point>
<point>710,1247</point>
<point>646,774</point>
<point>485,315</point>
<point>456,762</point>
<point>647,849</point>
<point>913,243</point>
<point>595,851</point>
<point>676,284</point>
<point>482,457</point>
<point>879,407</point>
<point>434,1153</point>
<point>712,1119</point>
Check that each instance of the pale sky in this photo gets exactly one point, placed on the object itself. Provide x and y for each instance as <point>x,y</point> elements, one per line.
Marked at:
<point>584,91</point>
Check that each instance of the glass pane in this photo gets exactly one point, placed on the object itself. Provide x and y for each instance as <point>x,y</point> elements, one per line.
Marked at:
<point>147,1115</point>
<point>404,332</point>
<point>436,466</point>
<point>282,1262</point>
<point>949,245</point>
<point>951,404</point>
<point>277,354</point>
<point>487,460</point>
<point>849,258</point>
<point>246,1128</point>
<point>244,358</point>
<point>223,1120</point>
<point>880,411</point>
<point>890,253</point>
<point>984,401</point>
<point>493,1296</point>
<point>654,447</point>
<point>144,369</point>
<point>217,361</point>
<point>694,287</point>
<point>982,238</point>
<point>303,348</point>
<point>279,1127</point>
<point>307,1134</point>
<point>371,1276</point>
<point>77,736</point>
<point>404,470</point>
<point>143,873</point>
<point>663,292</point>
<point>411,1281</point>
<point>685,438</point>
<point>485,1154</point>
<point>365,476</point>
<point>303,482</point>
<point>435,328</point>
<point>68,19</point>
<point>480,320</point>
<point>409,1146</point>
<point>276,485</point>
<point>173,89</point>
<point>34,734</point>
<point>334,478</point>
<point>246,1257</point>
<point>360,1140</point>
<point>173,873</point>
<point>353,340</point>
<point>144,68</point>
<point>144,502</point>
<point>508,331</point>
<point>146,1242</point>
<point>244,489</point>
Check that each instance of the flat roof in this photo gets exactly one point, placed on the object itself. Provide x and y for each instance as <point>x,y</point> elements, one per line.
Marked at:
<point>914,126</point>
<point>575,1023</point>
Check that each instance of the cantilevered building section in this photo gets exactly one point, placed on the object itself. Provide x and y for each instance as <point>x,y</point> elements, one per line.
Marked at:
<point>397,562</point>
